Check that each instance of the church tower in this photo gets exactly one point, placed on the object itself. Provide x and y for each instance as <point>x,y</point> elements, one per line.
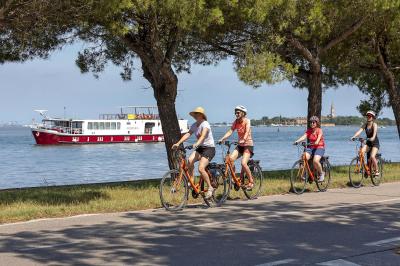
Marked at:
<point>333,112</point>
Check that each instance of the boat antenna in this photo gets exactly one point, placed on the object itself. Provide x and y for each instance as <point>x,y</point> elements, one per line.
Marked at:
<point>43,113</point>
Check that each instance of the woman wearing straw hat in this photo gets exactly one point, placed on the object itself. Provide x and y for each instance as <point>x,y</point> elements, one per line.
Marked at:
<point>204,148</point>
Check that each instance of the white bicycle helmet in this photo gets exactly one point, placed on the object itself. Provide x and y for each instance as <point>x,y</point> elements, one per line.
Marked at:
<point>370,112</point>
<point>241,108</point>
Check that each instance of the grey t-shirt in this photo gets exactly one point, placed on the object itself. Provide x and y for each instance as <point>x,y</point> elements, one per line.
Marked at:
<point>209,140</point>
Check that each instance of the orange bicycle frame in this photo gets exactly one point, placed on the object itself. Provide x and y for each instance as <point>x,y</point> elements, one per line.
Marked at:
<point>183,169</point>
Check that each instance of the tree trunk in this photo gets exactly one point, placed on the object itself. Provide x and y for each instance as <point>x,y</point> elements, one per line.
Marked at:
<point>394,96</point>
<point>164,82</point>
<point>314,94</point>
<point>391,86</point>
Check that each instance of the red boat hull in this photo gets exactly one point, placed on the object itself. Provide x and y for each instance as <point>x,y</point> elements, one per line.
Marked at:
<point>46,138</point>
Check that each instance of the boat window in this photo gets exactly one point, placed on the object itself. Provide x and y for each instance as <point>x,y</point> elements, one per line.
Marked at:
<point>90,125</point>
<point>96,125</point>
<point>119,125</point>
<point>128,123</point>
<point>113,125</point>
<point>107,125</point>
<point>148,128</point>
<point>101,125</point>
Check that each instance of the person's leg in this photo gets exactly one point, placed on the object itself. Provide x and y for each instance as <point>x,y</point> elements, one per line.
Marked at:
<point>203,173</point>
<point>233,157</point>
<point>194,157</point>
<point>245,167</point>
<point>317,164</point>
<point>307,155</point>
<point>374,162</point>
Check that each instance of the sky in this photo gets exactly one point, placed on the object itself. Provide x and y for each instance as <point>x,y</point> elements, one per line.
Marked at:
<point>56,83</point>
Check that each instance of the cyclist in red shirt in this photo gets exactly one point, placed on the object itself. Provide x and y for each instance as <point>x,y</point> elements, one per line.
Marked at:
<point>246,146</point>
<point>316,147</point>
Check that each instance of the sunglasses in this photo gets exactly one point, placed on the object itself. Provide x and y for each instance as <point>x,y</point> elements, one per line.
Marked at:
<point>313,122</point>
<point>237,113</point>
<point>370,116</point>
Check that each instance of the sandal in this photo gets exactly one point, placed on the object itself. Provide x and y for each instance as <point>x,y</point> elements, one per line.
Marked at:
<point>250,186</point>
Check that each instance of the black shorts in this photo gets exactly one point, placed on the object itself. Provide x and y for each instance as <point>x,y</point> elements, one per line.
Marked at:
<point>242,149</point>
<point>373,144</point>
<point>206,152</point>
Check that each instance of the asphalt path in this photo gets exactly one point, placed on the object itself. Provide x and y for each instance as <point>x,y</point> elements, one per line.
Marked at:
<point>339,227</point>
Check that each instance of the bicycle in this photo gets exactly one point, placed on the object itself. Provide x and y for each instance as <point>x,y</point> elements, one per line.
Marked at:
<point>360,169</point>
<point>242,181</point>
<point>302,172</point>
<point>175,184</point>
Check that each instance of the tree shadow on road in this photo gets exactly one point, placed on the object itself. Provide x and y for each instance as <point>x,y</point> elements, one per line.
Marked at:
<point>241,233</point>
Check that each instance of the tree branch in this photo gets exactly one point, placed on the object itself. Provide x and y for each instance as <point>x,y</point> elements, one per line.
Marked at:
<point>305,53</point>
<point>343,36</point>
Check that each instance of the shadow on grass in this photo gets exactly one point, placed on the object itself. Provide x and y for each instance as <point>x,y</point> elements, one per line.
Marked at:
<point>52,196</point>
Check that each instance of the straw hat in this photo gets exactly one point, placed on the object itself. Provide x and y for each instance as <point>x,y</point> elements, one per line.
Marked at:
<point>199,110</point>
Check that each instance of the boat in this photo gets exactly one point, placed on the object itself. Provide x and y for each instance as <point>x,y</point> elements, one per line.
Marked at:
<point>133,124</point>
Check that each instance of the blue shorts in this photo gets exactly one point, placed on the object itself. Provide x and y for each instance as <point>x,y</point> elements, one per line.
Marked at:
<point>313,152</point>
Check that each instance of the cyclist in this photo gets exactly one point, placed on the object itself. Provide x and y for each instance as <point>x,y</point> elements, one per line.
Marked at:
<point>204,147</point>
<point>246,147</point>
<point>372,147</point>
<point>316,145</point>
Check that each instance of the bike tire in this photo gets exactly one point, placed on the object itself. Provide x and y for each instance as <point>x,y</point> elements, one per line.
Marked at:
<point>258,177</point>
<point>221,191</point>
<point>298,177</point>
<point>356,173</point>
<point>326,167</point>
<point>376,180</point>
<point>169,188</point>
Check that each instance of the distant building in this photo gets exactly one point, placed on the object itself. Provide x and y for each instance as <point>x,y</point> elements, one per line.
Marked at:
<point>333,112</point>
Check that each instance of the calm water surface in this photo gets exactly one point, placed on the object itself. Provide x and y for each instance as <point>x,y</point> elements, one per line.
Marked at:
<point>24,164</point>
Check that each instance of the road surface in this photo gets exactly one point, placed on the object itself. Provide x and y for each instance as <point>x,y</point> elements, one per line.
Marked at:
<point>347,227</point>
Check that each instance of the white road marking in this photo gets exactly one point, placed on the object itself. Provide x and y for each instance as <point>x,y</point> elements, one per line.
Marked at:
<point>338,262</point>
<point>278,262</point>
<point>384,241</point>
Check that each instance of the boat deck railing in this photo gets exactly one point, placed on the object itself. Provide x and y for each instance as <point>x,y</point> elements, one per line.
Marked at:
<point>66,130</point>
<point>129,116</point>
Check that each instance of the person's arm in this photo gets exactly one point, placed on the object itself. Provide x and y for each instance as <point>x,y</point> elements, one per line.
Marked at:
<point>318,137</point>
<point>182,140</point>
<point>203,135</point>
<point>247,132</point>
<point>357,133</point>
<point>375,132</point>
<point>227,135</point>
<point>302,138</point>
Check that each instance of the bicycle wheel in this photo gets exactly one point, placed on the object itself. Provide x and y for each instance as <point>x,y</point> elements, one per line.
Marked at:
<point>220,185</point>
<point>258,175</point>
<point>326,167</point>
<point>376,180</point>
<point>298,177</point>
<point>356,172</point>
<point>173,192</point>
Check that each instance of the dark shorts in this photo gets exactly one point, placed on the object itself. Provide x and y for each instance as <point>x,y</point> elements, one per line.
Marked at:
<point>243,149</point>
<point>374,144</point>
<point>206,152</point>
<point>313,152</point>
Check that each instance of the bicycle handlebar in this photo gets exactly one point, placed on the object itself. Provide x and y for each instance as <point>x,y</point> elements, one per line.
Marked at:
<point>358,139</point>
<point>228,143</point>
<point>304,144</point>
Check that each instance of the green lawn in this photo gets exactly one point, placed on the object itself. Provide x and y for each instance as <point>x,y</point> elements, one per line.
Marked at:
<point>26,204</point>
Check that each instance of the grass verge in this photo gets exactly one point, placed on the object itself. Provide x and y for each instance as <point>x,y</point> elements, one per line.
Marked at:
<point>33,203</point>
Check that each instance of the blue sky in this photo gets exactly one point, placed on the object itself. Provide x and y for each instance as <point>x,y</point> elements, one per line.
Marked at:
<point>57,82</point>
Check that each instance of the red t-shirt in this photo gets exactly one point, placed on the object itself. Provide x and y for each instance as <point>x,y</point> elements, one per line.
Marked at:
<point>312,136</point>
<point>242,127</point>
